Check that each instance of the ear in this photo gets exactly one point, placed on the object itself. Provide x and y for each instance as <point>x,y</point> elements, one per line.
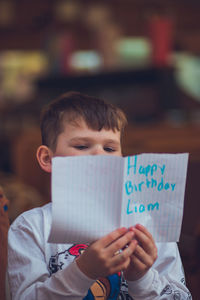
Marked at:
<point>44,156</point>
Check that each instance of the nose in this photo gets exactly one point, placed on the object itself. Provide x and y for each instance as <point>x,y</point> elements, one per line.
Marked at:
<point>97,150</point>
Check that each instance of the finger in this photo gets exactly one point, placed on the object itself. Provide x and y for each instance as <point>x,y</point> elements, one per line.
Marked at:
<point>143,257</point>
<point>136,262</point>
<point>138,268</point>
<point>120,243</point>
<point>123,255</point>
<point>120,267</point>
<point>145,241</point>
<point>111,237</point>
<point>121,261</point>
<point>144,230</point>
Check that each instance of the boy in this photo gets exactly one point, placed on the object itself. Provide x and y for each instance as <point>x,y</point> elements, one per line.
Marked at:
<point>122,264</point>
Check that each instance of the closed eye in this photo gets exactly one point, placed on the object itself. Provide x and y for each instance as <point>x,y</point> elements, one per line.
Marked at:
<point>81,147</point>
<point>109,149</point>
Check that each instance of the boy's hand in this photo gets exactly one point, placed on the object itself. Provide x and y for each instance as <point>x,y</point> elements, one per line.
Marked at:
<point>102,258</point>
<point>144,255</point>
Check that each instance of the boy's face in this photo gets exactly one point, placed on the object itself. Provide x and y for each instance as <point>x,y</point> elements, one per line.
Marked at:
<point>78,139</point>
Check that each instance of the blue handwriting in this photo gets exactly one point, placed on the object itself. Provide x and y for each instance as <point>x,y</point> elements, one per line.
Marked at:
<point>145,170</point>
<point>152,183</point>
<point>140,208</point>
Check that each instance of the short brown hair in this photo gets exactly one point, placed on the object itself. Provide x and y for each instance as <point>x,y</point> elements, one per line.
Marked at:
<point>73,105</point>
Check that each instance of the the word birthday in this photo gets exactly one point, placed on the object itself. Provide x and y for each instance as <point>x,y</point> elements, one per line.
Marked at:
<point>152,183</point>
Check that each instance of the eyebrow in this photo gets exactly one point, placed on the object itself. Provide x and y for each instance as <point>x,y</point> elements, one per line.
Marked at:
<point>88,139</point>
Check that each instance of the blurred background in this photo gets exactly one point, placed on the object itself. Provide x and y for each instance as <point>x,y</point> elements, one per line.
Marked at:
<point>142,55</point>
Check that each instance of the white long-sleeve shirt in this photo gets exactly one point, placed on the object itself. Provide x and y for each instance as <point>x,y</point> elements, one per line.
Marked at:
<point>38,270</point>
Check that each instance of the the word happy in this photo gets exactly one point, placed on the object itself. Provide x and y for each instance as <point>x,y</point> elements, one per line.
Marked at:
<point>148,181</point>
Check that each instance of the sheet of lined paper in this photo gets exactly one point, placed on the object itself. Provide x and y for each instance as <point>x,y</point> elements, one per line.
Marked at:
<point>93,195</point>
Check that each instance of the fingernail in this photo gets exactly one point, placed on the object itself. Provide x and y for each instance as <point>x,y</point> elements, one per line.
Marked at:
<point>131,234</point>
<point>135,242</point>
<point>131,228</point>
<point>139,225</point>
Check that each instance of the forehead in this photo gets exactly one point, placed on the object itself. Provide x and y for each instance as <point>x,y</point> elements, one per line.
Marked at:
<point>79,128</point>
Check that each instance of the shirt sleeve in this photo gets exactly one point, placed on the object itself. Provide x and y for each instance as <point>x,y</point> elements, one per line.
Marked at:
<point>28,272</point>
<point>4,225</point>
<point>165,280</point>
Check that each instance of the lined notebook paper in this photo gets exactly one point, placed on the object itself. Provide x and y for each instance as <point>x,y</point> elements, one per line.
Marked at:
<point>94,195</point>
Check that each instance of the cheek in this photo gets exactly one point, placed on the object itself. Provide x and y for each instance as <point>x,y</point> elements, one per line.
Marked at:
<point>118,153</point>
<point>64,152</point>
<point>75,153</point>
